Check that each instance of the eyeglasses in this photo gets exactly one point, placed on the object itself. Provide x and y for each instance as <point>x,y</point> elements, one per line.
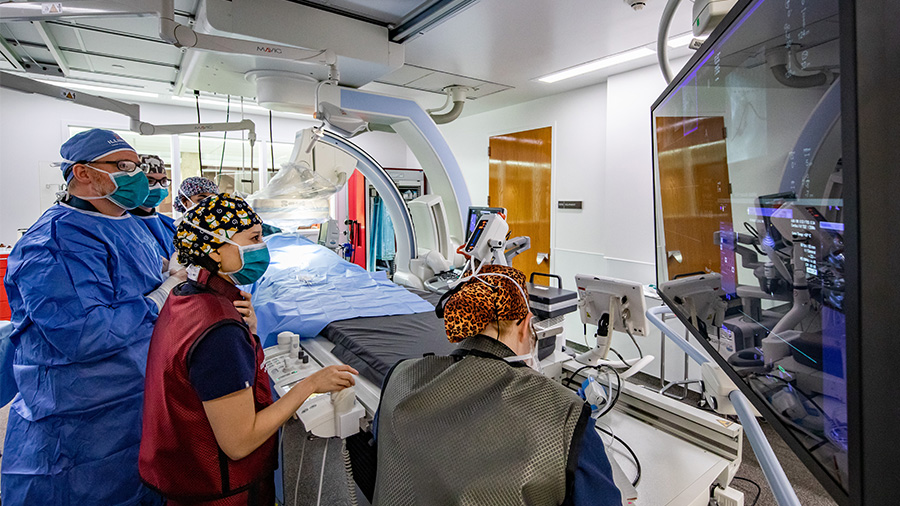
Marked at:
<point>164,182</point>
<point>121,165</point>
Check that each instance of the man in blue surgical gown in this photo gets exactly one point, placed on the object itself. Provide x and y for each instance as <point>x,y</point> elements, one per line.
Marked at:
<point>84,285</point>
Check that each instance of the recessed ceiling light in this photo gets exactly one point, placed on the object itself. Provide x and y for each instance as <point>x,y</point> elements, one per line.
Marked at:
<point>602,63</point>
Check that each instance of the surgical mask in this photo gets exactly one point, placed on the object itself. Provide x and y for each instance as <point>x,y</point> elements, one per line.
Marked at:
<point>254,260</point>
<point>157,195</point>
<point>132,188</point>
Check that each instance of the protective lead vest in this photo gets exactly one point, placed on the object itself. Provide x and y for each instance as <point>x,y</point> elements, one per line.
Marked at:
<point>179,455</point>
<point>471,429</point>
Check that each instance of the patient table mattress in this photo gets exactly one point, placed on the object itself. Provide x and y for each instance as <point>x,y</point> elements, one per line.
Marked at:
<point>373,345</point>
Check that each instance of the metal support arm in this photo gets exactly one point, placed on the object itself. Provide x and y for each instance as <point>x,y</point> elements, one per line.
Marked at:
<point>133,111</point>
<point>149,129</point>
<point>26,85</point>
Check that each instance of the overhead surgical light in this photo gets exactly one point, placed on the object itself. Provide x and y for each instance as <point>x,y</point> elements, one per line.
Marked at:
<point>591,66</point>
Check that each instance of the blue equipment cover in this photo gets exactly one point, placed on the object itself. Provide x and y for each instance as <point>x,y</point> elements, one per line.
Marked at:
<point>308,286</point>
<point>162,228</point>
<point>76,283</point>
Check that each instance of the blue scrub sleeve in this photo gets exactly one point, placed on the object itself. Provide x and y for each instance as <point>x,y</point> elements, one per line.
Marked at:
<point>222,362</point>
<point>67,292</point>
<point>594,485</point>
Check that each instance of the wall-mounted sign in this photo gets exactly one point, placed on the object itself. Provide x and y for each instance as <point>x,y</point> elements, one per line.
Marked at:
<point>569,204</point>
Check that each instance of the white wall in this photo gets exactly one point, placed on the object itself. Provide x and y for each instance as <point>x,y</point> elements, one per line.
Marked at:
<point>602,155</point>
<point>32,128</point>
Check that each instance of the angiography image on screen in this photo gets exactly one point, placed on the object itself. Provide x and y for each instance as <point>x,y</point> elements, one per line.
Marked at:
<point>750,216</point>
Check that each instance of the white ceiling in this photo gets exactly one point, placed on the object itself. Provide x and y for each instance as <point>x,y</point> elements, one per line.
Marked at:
<point>509,43</point>
<point>513,42</point>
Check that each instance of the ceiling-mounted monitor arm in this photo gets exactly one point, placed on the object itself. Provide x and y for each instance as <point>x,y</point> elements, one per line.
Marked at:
<point>132,111</point>
<point>26,85</point>
<point>169,30</point>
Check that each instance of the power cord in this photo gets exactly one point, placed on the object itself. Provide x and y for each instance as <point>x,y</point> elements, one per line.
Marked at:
<point>300,468</point>
<point>199,146</point>
<point>758,489</point>
<point>633,340</point>
<point>322,475</point>
<point>271,144</point>
<point>224,140</point>
<point>637,463</point>
<point>348,468</point>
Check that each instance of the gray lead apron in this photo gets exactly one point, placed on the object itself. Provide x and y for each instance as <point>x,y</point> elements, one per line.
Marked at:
<point>471,429</point>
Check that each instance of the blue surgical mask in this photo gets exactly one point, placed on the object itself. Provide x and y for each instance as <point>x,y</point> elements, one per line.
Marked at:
<point>254,259</point>
<point>254,262</point>
<point>157,195</point>
<point>131,189</point>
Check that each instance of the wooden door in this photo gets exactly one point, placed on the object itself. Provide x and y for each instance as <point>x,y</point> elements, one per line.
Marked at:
<point>694,191</point>
<point>520,182</point>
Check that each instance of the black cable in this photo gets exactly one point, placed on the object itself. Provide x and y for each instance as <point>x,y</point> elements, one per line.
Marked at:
<point>633,340</point>
<point>637,463</point>
<point>758,488</point>
<point>271,143</point>
<point>224,139</point>
<point>571,378</point>
<point>752,230</point>
<point>199,147</point>
<point>616,353</point>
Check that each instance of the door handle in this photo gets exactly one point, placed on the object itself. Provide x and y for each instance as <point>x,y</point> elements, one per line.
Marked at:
<point>676,254</point>
<point>541,257</point>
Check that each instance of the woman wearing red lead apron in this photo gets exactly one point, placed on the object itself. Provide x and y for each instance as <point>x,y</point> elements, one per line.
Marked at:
<point>209,428</point>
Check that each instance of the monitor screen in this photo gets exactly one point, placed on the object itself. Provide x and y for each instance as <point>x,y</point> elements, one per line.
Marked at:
<point>478,212</point>
<point>748,185</point>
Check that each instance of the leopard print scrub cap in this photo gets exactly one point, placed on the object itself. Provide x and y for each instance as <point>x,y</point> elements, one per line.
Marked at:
<point>223,214</point>
<point>476,304</point>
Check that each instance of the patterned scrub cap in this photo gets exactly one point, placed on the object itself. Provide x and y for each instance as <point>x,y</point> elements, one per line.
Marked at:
<point>223,214</point>
<point>153,164</point>
<point>193,186</point>
<point>483,300</point>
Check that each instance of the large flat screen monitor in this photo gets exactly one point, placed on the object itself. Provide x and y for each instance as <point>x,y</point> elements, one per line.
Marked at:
<point>749,185</point>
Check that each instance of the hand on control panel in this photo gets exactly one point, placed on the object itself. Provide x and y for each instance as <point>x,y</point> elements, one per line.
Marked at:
<point>333,378</point>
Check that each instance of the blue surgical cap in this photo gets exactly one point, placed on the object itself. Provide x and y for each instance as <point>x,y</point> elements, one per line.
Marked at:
<point>90,146</point>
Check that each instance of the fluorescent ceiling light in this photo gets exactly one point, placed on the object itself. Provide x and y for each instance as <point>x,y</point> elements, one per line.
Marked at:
<point>99,89</point>
<point>602,63</point>
<point>683,40</point>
